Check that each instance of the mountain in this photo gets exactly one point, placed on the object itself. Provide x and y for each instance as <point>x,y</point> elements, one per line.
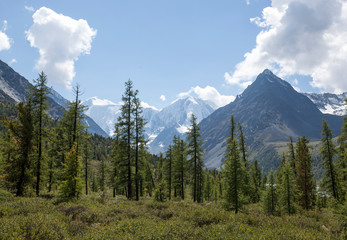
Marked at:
<point>175,120</point>
<point>161,125</point>
<point>270,111</point>
<point>13,88</point>
<point>329,103</point>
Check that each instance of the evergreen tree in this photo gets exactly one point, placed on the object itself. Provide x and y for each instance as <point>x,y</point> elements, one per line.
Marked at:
<point>139,123</point>
<point>256,180</point>
<point>292,154</point>
<point>125,126</point>
<point>328,151</point>
<point>270,196</point>
<point>72,185</point>
<point>39,94</point>
<point>342,158</point>
<point>304,179</point>
<point>247,188</point>
<point>286,189</point>
<point>233,173</point>
<point>18,166</point>
<point>168,169</point>
<point>195,153</point>
<point>179,166</point>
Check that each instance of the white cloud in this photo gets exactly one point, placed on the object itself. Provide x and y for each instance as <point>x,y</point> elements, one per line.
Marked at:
<point>4,26</point>
<point>29,8</point>
<point>209,94</point>
<point>5,41</point>
<point>60,40</point>
<point>163,98</point>
<point>305,37</point>
<point>248,2</point>
<point>13,61</point>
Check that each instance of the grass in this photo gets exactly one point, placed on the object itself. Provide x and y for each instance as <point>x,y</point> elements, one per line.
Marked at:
<point>95,217</point>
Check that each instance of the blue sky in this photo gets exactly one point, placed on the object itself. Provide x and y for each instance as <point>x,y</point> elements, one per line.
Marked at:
<point>175,48</point>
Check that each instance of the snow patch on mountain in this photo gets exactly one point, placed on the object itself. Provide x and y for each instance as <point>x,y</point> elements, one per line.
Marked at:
<point>329,103</point>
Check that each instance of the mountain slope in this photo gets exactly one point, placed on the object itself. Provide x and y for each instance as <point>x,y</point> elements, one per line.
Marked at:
<point>161,125</point>
<point>329,103</point>
<point>13,88</point>
<point>270,111</point>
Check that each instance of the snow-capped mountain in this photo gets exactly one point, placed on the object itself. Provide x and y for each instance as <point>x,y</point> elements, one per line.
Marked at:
<point>161,125</point>
<point>175,120</point>
<point>329,103</point>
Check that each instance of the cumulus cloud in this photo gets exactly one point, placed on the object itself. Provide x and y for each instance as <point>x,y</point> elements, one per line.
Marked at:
<point>163,98</point>
<point>60,40</point>
<point>29,8</point>
<point>5,42</point>
<point>305,37</point>
<point>209,94</point>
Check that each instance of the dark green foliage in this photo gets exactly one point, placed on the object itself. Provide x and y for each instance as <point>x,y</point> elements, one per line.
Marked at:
<point>270,201</point>
<point>234,174</point>
<point>256,182</point>
<point>286,189</point>
<point>180,166</point>
<point>328,151</point>
<point>38,94</point>
<point>195,153</point>
<point>18,166</point>
<point>304,180</point>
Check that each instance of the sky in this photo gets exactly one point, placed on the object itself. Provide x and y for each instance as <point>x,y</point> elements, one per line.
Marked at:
<point>171,49</point>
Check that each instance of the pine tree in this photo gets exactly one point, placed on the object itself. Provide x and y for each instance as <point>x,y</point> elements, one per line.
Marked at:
<point>195,153</point>
<point>328,151</point>
<point>18,166</point>
<point>270,201</point>
<point>39,94</point>
<point>304,179</point>
<point>233,173</point>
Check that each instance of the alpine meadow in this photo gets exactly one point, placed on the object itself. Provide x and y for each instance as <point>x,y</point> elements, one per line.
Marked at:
<point>181,152</point>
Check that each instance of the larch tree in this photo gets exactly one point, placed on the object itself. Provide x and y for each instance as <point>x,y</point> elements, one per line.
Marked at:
<point>125,126</point>
<point>233,174</point>
<point>270,201</point>
<point>18,168</point>
<point>291,154</point>
<point>168,169</point>
<point>256,181</point>
<point>72,185</point>
<point>286,189</point>
<point>342,157</point>
<point>304,179</point>
<point>195,153</point>
<point>328,151</point>
<point>179,166</point>
<point>139,123</point>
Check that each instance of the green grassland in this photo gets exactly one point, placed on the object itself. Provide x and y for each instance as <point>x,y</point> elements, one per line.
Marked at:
<point>100,217</point>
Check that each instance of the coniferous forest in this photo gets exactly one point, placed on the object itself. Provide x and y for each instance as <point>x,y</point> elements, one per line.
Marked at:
<point>57,181</point>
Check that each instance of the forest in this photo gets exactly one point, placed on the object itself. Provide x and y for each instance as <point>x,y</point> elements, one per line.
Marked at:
<point>57,181</point>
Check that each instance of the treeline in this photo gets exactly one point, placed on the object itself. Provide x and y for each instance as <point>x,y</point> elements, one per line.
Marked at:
<point>43,155</point>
